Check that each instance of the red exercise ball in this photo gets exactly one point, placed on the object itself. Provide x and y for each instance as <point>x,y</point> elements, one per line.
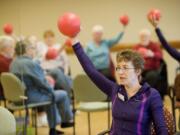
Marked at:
<point>124,20</point>
<point>69,24</point>
<point>8,28</point>
<point>154,13</point>
<point>157,14</point>
<point>142,51</point>
<point>52,53</point>
<point>68,42</point>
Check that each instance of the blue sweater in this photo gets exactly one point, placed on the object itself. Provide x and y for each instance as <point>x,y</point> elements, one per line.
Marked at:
<point>99,55</point>
<point>173,52</point>
<point>33,76</point>
<point>130,116</point>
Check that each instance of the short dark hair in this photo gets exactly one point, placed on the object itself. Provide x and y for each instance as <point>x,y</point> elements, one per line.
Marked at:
<point>133,56</point>
<point>21,46</point>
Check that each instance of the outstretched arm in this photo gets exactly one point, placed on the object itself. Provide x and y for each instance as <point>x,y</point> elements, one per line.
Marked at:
<point>173,52</point>
<point>113,41</point>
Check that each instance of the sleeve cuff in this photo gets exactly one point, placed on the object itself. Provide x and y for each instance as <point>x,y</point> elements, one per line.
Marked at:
<point>76,46</point>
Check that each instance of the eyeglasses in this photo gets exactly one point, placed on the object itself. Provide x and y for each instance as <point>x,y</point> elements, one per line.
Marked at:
<point>124,69</point>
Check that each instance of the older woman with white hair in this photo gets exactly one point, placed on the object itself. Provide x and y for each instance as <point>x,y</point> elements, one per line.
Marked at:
<point>98,50</point>
<point>6,55</point>
<point>152,55</point>
<point>7,46</point>
<point>150,50</point>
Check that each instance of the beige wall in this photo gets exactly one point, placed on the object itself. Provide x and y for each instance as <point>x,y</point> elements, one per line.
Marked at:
<point>34,16</point>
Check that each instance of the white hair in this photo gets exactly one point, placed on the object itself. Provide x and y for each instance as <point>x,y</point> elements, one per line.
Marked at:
<point>6,41</point>
<point>32,39</point>
<point>97,29</point>
<point>146,32</point>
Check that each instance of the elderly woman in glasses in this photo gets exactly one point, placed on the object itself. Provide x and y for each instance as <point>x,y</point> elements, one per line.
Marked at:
<point>134,105</point>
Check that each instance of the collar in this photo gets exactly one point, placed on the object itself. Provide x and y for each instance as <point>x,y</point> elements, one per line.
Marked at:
<point>24,57</point>
<point>139,95</point>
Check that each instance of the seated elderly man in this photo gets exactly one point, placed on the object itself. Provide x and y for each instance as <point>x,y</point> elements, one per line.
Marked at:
<point>55,67</point>
<point>6,54</point>
<point>39,90</point>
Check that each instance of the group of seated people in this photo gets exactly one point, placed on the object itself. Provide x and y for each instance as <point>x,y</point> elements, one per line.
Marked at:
<point>21,59</point>
<point>98,51</point>
<point>28,56</point>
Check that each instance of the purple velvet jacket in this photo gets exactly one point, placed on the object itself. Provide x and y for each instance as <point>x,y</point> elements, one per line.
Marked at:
<point>130,116</point>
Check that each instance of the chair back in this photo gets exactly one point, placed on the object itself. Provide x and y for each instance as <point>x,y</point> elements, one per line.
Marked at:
<point>177,86</point>
<point>7,122</point>
<point>13,88</point>
<point>86,91</point>
<point>170,123</point>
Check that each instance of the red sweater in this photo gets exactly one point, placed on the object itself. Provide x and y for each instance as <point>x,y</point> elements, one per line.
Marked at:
<point>4,67</point>
<point>151,63</point>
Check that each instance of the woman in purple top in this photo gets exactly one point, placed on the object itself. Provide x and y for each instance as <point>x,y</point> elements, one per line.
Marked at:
<point>134,105</point>
<point>173,52</point>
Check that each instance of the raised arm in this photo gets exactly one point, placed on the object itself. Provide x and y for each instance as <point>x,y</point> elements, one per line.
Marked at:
<point>101,81</point>
<point>113,41</point>
<point>173,52</point>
